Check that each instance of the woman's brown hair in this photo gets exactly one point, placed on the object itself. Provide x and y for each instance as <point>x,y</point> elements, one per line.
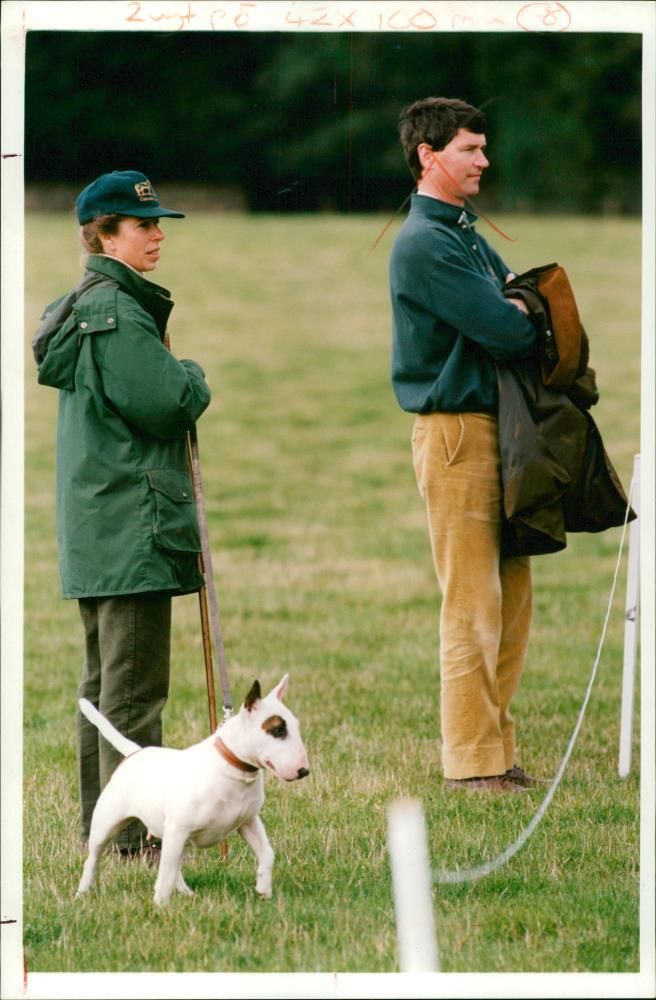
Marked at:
<point>90,232</point>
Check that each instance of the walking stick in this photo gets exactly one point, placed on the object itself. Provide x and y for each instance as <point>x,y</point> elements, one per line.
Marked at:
<point>208,573</point>
<point>208,590</point>
<point>205,561</point>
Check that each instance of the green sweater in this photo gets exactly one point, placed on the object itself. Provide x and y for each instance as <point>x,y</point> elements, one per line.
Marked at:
<point>450,319</point>
<point>126,517</point>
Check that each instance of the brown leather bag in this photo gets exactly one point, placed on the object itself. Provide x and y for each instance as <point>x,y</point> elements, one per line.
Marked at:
<point>565,352</point>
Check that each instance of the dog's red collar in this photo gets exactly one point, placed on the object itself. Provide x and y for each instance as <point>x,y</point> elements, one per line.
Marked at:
<point>232,759</point>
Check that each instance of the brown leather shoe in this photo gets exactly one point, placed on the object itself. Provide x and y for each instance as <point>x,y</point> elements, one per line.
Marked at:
<point>519,776</point>
<point>489,783</point>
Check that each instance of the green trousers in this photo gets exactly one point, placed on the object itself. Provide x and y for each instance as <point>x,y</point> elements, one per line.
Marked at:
<point>126,676</point>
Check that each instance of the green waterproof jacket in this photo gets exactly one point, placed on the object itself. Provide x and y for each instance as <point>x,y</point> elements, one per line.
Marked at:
<point>126,515</point>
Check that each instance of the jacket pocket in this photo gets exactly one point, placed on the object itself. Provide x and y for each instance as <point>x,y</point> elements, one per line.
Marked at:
<point>175,522</point>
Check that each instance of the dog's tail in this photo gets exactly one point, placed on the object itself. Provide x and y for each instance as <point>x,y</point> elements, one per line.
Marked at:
<point>104,726</point>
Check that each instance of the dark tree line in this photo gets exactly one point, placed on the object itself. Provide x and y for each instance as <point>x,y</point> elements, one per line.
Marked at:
<point>308,121</point>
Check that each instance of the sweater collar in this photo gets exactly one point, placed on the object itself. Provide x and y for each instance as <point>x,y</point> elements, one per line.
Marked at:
<point>155,299</point>
<point>442,211</point>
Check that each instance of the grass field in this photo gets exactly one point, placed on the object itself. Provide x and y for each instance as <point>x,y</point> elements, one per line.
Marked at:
<point>323,570</point>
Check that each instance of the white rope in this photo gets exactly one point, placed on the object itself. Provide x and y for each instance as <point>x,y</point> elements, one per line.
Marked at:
<point>471,874</point>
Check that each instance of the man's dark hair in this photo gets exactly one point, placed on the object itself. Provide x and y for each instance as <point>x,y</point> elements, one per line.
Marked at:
<point>435,121</point>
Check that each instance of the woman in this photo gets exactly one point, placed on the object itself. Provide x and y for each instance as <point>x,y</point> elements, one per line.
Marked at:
<point>127,529</point>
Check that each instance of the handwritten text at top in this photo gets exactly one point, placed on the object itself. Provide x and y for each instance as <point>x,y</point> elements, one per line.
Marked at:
<point>253,15</point>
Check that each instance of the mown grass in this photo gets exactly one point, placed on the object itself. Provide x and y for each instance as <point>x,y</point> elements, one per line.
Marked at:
<point>323,569</point>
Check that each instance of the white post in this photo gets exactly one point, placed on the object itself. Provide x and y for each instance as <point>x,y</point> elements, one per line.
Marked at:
<point>630,626</point>
<point>412,885</point>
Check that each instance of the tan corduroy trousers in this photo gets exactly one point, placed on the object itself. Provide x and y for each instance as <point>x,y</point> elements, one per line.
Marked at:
<point>486,600</point>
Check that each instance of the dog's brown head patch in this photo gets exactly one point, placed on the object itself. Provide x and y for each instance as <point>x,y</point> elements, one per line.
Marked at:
<point>275,726</point>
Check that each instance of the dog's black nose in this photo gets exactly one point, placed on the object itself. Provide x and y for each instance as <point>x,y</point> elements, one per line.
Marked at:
<point>303,772</point>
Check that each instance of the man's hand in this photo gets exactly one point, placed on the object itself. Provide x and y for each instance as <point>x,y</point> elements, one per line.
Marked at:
<point>521,305</point>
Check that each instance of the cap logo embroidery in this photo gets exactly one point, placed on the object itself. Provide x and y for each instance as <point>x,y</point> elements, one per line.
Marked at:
<point>145,191</point>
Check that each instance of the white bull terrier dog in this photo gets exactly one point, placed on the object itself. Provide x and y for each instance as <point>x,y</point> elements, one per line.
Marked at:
<point>202,794</point>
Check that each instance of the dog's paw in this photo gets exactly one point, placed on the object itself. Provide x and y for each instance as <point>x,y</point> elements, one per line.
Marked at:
<point>161,898</point>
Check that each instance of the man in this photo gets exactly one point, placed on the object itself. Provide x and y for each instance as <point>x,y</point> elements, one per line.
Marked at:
<point>451,323</point>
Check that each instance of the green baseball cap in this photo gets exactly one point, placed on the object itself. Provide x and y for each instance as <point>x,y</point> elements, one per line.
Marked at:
<point>125,192</point>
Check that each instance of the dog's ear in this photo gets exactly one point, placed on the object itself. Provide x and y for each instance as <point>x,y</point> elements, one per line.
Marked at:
<point>280,691</point>
<point>253,695</point>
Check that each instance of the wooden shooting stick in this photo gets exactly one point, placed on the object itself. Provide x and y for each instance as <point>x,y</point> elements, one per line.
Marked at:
<point>205,562</point>
<point>208,589</point>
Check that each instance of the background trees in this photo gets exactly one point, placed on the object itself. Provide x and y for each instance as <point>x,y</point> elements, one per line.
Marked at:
<point>299,122</point>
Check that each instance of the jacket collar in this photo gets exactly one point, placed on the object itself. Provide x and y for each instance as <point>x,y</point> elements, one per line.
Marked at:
<point>155,299</point>
<point>441,211</point>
